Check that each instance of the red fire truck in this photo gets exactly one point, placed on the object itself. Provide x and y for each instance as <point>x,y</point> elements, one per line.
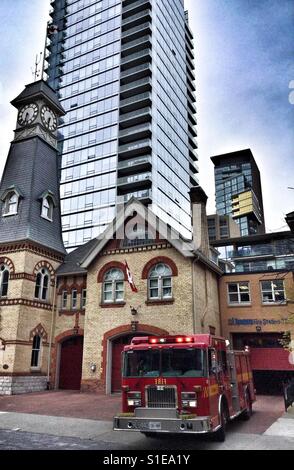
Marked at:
<point>184,384</point>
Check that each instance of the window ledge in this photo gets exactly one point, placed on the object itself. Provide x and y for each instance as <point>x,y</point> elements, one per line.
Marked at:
<point>46,218</point>
<point>242,305</point>
<point>274,304</point>
<point>9,215</point>
<point>113,305</point>
<point>36,370</point>
<point>160,302</point>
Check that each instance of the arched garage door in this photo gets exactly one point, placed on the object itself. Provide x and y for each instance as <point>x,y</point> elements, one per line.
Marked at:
<point>71,359</point>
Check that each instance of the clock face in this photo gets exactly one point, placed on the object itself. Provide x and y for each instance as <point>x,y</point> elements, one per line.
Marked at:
<point>27,114</point>
<point>49,118</point>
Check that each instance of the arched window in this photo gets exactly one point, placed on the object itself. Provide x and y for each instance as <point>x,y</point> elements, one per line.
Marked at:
<point>11,204</point>
<point>113,286</point>
<point>42,285</point>
<point>36,350</point>
<point>47,208</point>
<point>4,280</point>
<point>160,282</point>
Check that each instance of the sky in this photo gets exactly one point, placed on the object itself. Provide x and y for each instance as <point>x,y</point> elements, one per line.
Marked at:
<point>244,69</point>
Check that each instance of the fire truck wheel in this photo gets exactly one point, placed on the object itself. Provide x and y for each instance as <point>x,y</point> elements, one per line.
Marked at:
<point>220,435</point>
<point>246,415</point>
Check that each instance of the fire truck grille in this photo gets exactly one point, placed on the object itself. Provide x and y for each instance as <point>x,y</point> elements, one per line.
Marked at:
<point>161,397</point>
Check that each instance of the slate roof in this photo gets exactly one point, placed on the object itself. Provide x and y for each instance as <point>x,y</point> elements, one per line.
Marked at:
<point>72,261</point>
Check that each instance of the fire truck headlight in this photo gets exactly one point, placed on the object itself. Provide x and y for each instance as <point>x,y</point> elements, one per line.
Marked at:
<point>134,399</point>
<point>189,400</point>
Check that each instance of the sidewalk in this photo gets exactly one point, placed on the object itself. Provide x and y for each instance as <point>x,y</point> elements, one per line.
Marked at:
<point>284,426</point>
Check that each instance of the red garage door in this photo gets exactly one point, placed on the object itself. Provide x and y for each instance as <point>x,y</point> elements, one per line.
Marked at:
<point>71,359</point>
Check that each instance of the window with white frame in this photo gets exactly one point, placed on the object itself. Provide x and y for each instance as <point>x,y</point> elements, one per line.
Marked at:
<point>11,204</point>
<point>47,208</point>
<point>160,282</point>
<point>36,351</point>
<point>273,291</point>
<point>4,280</point>
<point>84,299</point>
<point>113,286</point>
<point>42,285</point>
<point>74,299</point>
<point>239,293</point>
<point>64,300</point>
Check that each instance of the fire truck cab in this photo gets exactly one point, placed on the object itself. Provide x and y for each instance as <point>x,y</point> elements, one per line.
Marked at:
<point>183,384</point>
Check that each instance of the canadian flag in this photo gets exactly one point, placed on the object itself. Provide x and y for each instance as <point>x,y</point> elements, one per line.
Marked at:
<point>130,278</point>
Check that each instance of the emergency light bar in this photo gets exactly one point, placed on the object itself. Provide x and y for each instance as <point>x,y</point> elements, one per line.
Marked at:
<point>172,340</point>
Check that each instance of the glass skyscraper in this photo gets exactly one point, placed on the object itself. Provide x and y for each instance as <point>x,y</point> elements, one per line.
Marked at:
<point>124,71</point>
<point>238,191</point>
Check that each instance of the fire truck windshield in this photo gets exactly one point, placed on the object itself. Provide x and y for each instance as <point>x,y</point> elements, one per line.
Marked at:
<point>165,363</point>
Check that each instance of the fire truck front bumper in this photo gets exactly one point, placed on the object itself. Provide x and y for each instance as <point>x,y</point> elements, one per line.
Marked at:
<point>162,421</point>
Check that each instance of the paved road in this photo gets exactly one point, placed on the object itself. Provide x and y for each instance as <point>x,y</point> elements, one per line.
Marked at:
<point>56,433</point>
<point>69,421</point>
<point>12,440</point>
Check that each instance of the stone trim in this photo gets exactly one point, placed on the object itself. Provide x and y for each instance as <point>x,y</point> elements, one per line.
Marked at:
<point>39,331</point>
<point>108,266</point>
<point>159,259</point>
<point>160,302</point>
<point>152,247</point>
<point>26,302</point>
<point>30,247</point>
<point>28,277</point>
<point>113,305</point>
<point>47,265</point>
<point>9,264</point>
<point>71,313</point>
<point>19,342</point>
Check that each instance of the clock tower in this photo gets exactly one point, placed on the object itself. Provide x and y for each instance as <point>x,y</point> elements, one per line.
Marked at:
<point>31,246</point>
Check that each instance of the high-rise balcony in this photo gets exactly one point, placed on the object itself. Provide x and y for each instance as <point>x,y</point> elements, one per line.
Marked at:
<point>135,117</point>
<point>190,62</point>
<point>135,7</point>
<point>135,33</point>
<point>144,196</point>
<point>139,181</point>
<point>191,107</point>
<point>191,83</point>
<point>192,130</point>
<point>135,133</point>
<point>141,147</point>
<point>194,168</point>
<point>135,20</point>
<point>135,165</point>
<point>191,119</point>
<point>135,73</point>
<point>136,59</point>
<point>193,154</point>
<point>136,87</point>
<point>136,102</point>
<point>134,46</point>
<point>193,142</point>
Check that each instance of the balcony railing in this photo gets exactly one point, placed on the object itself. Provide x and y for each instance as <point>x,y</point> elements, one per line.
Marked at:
<point>134,163</point>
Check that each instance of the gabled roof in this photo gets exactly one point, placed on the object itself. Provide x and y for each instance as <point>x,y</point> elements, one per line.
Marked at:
<point>185,247</point>
<point>78,261</point>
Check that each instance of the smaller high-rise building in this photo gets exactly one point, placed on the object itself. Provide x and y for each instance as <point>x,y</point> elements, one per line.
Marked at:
<point>238,191</point>
<point>221,227</point>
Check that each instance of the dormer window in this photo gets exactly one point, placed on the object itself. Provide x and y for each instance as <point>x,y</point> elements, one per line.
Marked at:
<point>10,199</point>
<point>47,205</point>
<point>47,209</point>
